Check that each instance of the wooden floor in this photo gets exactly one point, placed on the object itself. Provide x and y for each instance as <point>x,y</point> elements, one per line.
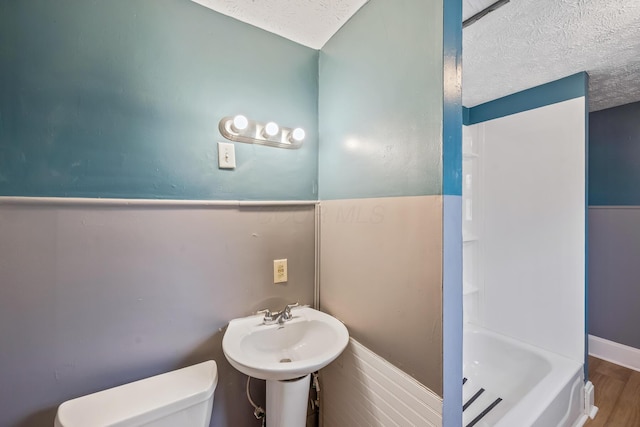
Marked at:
<point>617,394</point>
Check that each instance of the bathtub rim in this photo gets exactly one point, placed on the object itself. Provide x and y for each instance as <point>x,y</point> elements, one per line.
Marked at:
<point>533,405</point>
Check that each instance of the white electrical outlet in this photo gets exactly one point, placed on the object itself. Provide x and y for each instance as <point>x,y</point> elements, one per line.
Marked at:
<point>279,270</point>
<point>226,155</point>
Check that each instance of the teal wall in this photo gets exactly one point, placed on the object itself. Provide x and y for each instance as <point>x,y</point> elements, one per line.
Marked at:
<point>123,99</point>
<point>614,163</point>
<point>380,103</point>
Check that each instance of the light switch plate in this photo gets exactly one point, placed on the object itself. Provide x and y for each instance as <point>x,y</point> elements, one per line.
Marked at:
<point>226,155</point>
<point>279,270</point>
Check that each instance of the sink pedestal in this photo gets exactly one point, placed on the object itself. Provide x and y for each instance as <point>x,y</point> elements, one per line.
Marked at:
<point>287,402</point>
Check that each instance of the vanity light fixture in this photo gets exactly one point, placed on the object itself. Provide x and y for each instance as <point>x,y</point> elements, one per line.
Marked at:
<point>239,123</point>
<point>270,130</point>
<point>297,135</point>
<point>240,129</point>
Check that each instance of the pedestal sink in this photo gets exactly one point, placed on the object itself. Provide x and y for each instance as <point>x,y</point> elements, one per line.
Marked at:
<point>285,355</point>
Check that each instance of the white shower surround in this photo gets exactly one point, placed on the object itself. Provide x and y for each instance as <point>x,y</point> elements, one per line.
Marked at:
<point>532,280</point>
<point>526,340</point>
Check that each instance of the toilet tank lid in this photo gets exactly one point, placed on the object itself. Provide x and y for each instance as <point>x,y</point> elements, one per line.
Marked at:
<point>142,401</point>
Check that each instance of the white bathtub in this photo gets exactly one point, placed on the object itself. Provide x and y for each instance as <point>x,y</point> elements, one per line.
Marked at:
<point>537,388</point>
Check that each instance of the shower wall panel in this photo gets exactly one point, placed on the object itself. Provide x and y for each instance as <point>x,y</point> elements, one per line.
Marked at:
<point>533,234</point>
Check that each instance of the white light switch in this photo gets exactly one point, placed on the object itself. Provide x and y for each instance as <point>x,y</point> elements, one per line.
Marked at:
<point>279,270</point>
<point>226,155</point>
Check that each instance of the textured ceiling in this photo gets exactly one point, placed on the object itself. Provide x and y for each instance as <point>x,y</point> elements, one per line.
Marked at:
<point>523,44</point>
<point>529,42</point>
<point>308,22</point>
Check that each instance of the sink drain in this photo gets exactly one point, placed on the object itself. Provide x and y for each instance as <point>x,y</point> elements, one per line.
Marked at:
<point>287,360</point>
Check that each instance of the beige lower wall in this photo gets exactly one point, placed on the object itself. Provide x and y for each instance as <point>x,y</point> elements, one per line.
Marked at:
<point>381,274</point>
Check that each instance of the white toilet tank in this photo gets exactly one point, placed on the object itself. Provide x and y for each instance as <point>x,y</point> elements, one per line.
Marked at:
<point>179,398</point>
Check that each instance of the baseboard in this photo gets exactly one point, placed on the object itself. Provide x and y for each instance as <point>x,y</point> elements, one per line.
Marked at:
<point>613,352</point>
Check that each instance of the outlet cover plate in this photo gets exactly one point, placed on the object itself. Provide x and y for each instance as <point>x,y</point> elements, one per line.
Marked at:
<point>279,270</point>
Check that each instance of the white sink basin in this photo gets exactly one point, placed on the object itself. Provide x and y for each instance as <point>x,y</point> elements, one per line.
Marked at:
<point>308,342</point>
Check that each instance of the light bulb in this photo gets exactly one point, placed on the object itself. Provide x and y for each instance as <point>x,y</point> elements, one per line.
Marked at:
<point>239,123</point>
<point>271,129</point>
<point>297,134</point>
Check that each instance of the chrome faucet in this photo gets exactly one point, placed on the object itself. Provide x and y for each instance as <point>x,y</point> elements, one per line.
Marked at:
<point>279,317</point>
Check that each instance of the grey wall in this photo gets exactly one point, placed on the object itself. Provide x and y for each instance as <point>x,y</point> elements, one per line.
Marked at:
<point>614,288</point>
<point>92,297</point>
<point>614,224</point>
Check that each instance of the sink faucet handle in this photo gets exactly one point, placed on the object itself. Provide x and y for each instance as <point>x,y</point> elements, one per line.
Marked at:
<point>290,306</point>
<point>286,313</point>
<point>268,315</point>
